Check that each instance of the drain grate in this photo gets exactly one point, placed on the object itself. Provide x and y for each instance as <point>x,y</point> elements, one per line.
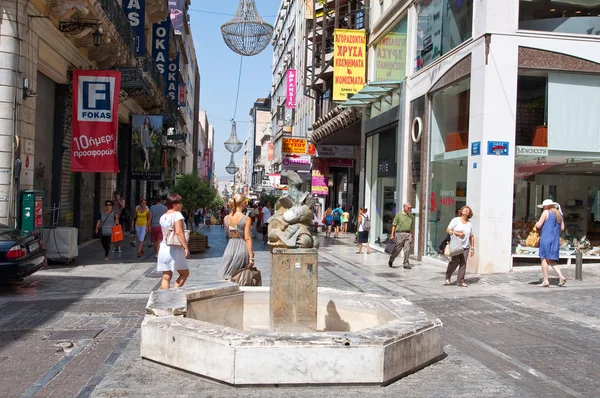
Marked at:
<point>75,334</point>
<point>22,334</point>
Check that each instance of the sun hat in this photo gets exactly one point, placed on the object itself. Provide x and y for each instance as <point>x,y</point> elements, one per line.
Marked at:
<point>550,202</point>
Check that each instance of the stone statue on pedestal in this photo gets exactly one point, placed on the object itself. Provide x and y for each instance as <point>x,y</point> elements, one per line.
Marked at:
<point>290,226</point>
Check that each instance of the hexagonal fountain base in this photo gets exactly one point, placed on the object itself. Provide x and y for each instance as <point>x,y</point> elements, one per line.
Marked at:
<point>221,331</point>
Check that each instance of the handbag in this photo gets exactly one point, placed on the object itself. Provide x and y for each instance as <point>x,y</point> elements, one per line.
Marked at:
<point>117,233</point>
<point>447,250</point>
<point>390,246</point>
<point>248,276</point>
<point>171,238</point>
<point>533,239</point>
<point>455,245</point>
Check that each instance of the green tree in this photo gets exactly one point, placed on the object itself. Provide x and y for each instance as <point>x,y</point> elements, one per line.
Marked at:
<point>217,203</point>
<point>194,192</point>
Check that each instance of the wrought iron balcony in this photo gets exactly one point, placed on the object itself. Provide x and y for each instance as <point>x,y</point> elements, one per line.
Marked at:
<point>149,66</point>
<point>117,16</point>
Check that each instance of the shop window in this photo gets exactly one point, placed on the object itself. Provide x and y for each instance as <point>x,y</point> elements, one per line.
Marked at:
<point>531,129</point>
<point>390,54</point>
<point>561,16</point>
<point>442,25</point>
<point>449,139</point>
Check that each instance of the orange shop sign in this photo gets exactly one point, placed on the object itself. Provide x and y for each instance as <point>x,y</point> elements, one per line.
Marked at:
<point>293,145</point>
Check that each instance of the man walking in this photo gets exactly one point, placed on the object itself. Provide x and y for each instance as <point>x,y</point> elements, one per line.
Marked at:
<point>402,228</point>
<point>157,211</point>
<point>337,220</point>
<point>266,215</point>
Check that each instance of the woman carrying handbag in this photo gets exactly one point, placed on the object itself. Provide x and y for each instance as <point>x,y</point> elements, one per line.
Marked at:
<point>108,219</point>
<point>461,232</point>
<point>173,249</point>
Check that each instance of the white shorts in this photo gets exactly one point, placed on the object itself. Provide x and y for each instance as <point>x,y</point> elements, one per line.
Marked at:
<point>141,233</point>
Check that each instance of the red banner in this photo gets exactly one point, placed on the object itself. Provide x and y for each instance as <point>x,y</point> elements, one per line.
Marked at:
<point>95,121</point>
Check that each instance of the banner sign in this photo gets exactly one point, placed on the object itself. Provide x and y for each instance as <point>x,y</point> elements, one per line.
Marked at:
<point>390,60</point>
<point>348,63</point>
<point>293,145</point>
<point>319,178</point>
<point>172,82</point>
<point>160,46</point>
<point>270,151</point>
<point>136,13</point>
<point>95,119</point>
<point>340,162</point>
<point>177,10</point>
<point>335,151</point>
<point>295,162</point>
<point>290,91</point>
<point>146,152</point>
<point>181,95</point>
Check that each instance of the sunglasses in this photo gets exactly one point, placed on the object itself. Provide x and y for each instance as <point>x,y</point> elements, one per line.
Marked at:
<point>107,204</point>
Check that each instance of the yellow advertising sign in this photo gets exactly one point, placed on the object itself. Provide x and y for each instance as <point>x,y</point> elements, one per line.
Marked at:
<point>293,145</point>
<point>348,63</point>
<point>391,57</point>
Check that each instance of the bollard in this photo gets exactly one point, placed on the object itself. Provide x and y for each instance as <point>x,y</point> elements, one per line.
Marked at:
<point>578,265</point>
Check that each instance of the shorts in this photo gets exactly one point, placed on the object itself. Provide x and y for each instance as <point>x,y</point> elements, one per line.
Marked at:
<point>363,237</point>
<point>265,228</point>
<point>156,232</point>
<point>337,223</point>
<point>141,233</point>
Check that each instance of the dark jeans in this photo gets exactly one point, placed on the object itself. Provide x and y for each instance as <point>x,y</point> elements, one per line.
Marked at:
<point>460,261</point>
<point>105,244</point>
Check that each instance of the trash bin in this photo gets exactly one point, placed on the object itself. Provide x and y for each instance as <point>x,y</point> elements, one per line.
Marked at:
<point>32,211</point>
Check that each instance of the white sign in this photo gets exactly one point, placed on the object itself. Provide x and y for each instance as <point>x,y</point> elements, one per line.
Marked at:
<point>532,151</point>
<point>335,151</point>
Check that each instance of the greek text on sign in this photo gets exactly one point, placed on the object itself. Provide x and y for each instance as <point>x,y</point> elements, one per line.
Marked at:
<point>348,63</point>
<point>293,145</point>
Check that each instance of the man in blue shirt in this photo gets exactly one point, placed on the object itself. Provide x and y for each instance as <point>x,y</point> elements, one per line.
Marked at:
<point>337,219</point>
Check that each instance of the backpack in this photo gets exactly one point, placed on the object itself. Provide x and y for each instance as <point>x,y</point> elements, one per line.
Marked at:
<point>328,219</point>
<point>336,215</point>
<point>366,223</point>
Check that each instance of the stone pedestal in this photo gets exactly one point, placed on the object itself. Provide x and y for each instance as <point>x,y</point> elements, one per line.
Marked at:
<point>293,293</point>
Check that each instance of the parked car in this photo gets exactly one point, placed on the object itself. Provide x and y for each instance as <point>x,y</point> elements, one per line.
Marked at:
<point>21,253</point>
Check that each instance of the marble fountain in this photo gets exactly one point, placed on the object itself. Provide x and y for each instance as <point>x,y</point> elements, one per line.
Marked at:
<point>292,333</point>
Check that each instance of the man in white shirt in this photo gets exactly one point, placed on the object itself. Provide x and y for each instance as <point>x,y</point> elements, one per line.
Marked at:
<point>266,214</point>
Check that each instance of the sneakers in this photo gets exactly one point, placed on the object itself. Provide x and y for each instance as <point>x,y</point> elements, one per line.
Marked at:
<point>390,263</point>
<point>132,243</point>
<point>407,266</point>
<point>117,250</point>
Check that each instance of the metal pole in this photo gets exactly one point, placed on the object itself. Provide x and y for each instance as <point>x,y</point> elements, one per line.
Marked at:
<point>578,265</point>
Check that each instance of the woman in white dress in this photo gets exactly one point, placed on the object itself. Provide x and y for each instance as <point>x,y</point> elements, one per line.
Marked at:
<point>173,258</point>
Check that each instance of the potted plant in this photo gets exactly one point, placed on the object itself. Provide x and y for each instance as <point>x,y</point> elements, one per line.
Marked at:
<point>195,194</point>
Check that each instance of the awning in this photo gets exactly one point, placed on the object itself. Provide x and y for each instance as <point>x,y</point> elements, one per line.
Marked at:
<point>371,93</point>
<point>334,121</point>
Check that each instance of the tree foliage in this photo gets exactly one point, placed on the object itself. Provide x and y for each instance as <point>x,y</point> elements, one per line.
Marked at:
<point>194,192</point>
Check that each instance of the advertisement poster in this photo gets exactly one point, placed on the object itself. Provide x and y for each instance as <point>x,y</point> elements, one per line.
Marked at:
<point>390,64</point>
<point>290,91</point>
<point>319,178</point>
<point>293,145</point>
<point>95,120</point>
<point>177,9</point>
<point>348,63</point>
<point>270,151</point>
<point>160,46</point>
<point>146,153</point>
<point>136,14</point>
<point>429,32</point>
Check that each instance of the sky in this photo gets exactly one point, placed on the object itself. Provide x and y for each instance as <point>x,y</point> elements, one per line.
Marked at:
<point>219,69</point>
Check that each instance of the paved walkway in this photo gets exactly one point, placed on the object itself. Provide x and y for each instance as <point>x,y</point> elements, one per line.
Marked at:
<point>504,336</point>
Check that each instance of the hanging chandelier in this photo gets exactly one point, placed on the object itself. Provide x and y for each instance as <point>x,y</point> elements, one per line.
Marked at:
<point>231,169</point>
<point>233,144</point>
<point>247,33</point>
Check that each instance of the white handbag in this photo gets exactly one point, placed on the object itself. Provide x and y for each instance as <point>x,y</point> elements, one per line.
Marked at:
<point>171,239</point>
<point>455,246</point>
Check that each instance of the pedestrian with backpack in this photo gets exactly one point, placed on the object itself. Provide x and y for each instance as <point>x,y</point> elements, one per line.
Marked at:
<point>337,220</point>
<point>364,226</point>
<point>328,221</point>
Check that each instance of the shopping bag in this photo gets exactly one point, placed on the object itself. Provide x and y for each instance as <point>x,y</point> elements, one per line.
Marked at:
<point>247,277</point>
<point>117,234</point>
<point>533,240</point>
<point>455,246</point>
<point>389,246</point>
<point>447,250</point>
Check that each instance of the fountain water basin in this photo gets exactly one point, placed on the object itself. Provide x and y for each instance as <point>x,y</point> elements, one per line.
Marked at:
<point>221,331</point>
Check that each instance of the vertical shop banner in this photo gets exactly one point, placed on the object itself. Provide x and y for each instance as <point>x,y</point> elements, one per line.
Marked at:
<point>177,12</point>
<point>172,83</point>
<point>136,13</point>
<point>95,121</point>
<point>390,62</point>
<point>160,46</point>
<point>319,178</point>
<point>290,90</point>
<point>181,95</point>
<point>146,154</point>
<point>270,151</point>
<point>348,63</point>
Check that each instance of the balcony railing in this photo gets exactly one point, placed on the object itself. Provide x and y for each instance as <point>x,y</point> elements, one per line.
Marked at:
<point>119,20</point>
<point>149,66</point>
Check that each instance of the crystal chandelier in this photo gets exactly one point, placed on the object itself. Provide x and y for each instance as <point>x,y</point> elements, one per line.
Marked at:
<point>233,144</point>
<point>231,169</point>
<point>247,33</point>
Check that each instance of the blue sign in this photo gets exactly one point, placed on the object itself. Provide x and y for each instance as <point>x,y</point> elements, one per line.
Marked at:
<point>136,13</point>
<point>476,148</point>
<point>172,83</point>
<point>160,46</point>
<point>498,148</point>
